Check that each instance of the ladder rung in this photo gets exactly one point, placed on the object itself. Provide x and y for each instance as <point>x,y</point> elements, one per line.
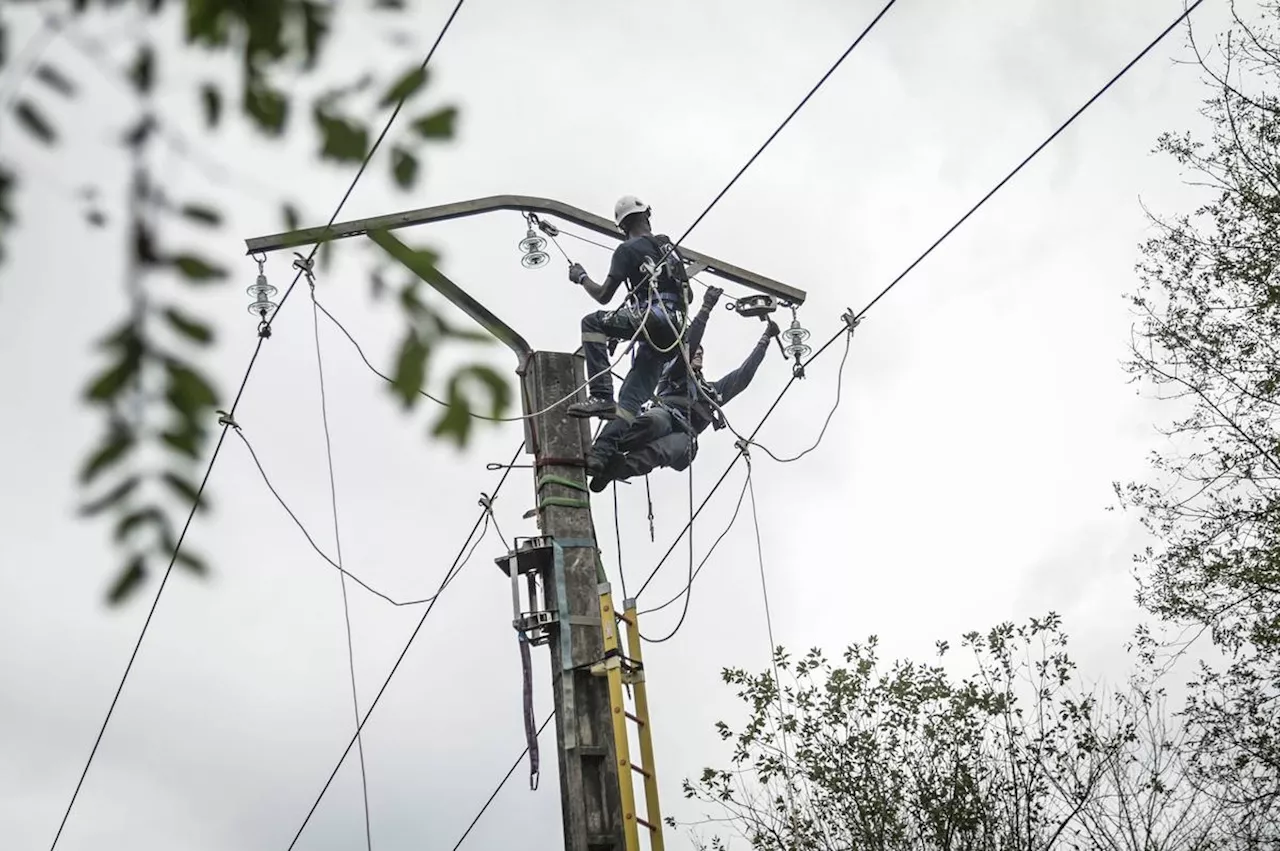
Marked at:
<point>625,618</point>
<point>635,718</point>
<point>645,823</point>
<point>640,770</point>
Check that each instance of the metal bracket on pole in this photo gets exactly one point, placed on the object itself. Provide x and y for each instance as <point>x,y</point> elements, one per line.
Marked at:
<point>424,269</point>
<point>521,203</point>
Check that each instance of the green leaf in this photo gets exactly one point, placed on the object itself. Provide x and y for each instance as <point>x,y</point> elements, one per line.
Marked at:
<point>187,491</point>
<point>151,514</point>
<point>437,125</point>
<point>405,87</point>
<point>192,563</point>
<point>108,384</point>
<point>189,391</point>
<point>196,270</point>
<point>411,369</point>
<point>315,26</point>
<point>208,24</point>
<point>139,133</point>
<point>128,580</point>
<point>203,215</point>
<point>34,122</point>
<point>455,423</point>
<point>344,140</point>
<point>144,244</point>
<point>211,102</point>
<point>111,497</point>
<point>496,384</point>
<point>55,79</point>
<point>192,329</point>
<point>268,107</point>
<point>404,166</point>
<point>291,217</point>
<point>185,442</point>
<point>111,451</point>
<point>143,71</point>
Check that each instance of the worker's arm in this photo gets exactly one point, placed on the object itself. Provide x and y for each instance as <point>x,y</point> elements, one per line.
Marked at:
<point>735,382</point>
<point>693,334</point>
<point>603,293</point>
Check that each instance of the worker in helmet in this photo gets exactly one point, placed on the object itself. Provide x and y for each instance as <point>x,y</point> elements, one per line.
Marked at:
<point>653,313</point>
<point>666,435</point>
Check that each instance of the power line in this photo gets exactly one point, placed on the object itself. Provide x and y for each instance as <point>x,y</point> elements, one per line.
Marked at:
<point>751,161</point>
<point>458,563</point>
<point>685,592</point>
<point>473,415</point>
<point>227,420</point>
<point>790,116</point>
<point>337,543</point>
<point>736,457</point>
<point>1186,12</point>
<point>356,579</point>
<point>848,339</point>
<point>915,263</point>
<point>501,783</point>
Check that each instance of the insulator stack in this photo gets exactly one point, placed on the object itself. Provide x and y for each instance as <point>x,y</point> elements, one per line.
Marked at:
<point>532,248</point>
<point>795,336</point>
<point>261,293</point>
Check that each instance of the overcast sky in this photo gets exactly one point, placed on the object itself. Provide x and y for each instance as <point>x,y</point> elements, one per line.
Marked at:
<point>964,479</point>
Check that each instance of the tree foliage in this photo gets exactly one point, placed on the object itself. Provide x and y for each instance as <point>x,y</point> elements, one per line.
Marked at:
<point>157,403</point>
<point>1015,755</point>
<point>1208,340</point>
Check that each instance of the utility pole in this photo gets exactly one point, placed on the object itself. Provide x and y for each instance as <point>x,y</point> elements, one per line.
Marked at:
<point>567,560</point>
<point>575,619</point>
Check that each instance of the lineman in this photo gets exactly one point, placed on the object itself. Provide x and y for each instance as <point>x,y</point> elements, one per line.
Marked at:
<point>653,313</point>
<point>666,435</point>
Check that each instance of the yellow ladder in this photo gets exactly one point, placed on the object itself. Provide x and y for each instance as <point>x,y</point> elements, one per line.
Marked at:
<point>629,670</point>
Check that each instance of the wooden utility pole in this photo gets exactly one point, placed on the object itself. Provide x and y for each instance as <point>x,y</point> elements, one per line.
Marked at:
<point>570,581</point>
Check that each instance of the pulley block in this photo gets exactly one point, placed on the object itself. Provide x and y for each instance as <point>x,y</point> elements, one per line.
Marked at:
<point>756,306</point>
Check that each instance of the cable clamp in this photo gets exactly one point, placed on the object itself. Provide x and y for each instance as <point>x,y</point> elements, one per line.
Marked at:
<point>850,320</point>
<point>743,446</point>
<point>306,266</point>
<point>486,502</point>
<point>227,420</point>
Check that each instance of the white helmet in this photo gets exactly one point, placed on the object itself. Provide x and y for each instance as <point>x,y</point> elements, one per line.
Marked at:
<point>627,205</point>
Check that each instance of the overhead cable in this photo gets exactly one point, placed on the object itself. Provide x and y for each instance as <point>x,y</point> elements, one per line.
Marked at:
<point>1188,10</point>
<point>226,421</point>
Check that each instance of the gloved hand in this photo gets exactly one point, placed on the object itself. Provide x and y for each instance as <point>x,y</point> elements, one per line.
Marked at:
<point>577,273</point>
<point>771,329</point>
<point>711,296</point>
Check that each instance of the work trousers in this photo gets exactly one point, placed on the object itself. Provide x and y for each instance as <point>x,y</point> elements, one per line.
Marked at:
<point>654,440</point>
<point>662,326</point>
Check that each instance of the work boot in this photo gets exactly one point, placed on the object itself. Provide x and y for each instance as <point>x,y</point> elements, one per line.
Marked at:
<point>595,406</point>
<point>595,464</point>
<point>607,471</point>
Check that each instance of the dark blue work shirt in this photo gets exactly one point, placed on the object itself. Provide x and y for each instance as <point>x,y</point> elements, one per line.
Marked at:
<point>694,396</point>
<point>636,257</point>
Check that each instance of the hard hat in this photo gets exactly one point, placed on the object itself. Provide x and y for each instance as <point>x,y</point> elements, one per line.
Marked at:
<point>627,205</point>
